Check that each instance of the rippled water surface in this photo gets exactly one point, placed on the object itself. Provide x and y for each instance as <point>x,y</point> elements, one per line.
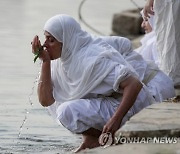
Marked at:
<point>20,20</point>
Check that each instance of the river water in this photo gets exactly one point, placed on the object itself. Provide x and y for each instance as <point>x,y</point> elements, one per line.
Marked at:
<point>20,20</point>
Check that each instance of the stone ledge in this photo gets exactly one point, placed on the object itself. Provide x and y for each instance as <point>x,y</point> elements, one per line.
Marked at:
<point>157,120</point>
<point>127,23</point>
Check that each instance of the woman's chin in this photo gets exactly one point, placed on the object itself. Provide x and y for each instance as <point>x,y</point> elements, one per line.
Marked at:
<point>54,58</point>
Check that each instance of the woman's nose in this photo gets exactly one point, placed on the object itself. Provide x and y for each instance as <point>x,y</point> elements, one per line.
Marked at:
<point>45,44</point>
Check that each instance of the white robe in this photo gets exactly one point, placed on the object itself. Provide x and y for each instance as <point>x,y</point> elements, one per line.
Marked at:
<point>98,106</point>
<point>89,72</point>
<point>167,28</point>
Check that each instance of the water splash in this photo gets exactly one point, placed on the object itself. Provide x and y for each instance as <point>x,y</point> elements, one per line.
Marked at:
<point>30,102</point>
<point>24,121</point>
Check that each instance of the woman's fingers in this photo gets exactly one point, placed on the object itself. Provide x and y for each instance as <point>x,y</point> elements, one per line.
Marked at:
<point>39,43</point>
<point>148,8</point>
<point>36,44</point>
<point>106,129</point>
<point>148,12</point>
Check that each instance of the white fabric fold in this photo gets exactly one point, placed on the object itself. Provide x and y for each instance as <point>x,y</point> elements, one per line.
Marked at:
<point>148,49</point>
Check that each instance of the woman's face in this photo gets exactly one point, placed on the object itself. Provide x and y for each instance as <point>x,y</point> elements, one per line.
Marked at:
<point>53,46</point>
<point>146,26</point>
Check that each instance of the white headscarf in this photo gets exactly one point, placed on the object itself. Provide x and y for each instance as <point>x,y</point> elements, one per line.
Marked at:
<point>85,61</point>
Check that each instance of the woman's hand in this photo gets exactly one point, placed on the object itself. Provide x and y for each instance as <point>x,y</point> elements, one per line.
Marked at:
<point>148,8</point>
<point>36,44</point>
<point>37,47</point>
<point>107,136</point>
<point>112,125</point>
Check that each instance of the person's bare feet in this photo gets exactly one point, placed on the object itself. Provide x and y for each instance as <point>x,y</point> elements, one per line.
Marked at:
<point>88,143</point>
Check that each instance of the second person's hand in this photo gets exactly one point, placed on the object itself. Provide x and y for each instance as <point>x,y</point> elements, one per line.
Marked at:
<point>148,8</point>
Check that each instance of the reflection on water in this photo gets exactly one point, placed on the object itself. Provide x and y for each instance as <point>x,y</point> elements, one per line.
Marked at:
<point>20,20</point>
<point>39,134</point>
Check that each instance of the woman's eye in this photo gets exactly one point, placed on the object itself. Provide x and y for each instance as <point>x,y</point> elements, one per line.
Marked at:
<point>51,40</point>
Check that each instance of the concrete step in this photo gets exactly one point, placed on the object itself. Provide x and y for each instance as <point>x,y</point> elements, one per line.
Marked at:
<point>155,129</point>
<point>157,120</point>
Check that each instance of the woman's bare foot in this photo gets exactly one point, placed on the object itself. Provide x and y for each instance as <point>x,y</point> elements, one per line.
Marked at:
<point>89,142</point>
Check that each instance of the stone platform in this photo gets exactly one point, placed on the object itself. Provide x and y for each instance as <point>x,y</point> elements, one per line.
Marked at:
<point>159,127</point>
